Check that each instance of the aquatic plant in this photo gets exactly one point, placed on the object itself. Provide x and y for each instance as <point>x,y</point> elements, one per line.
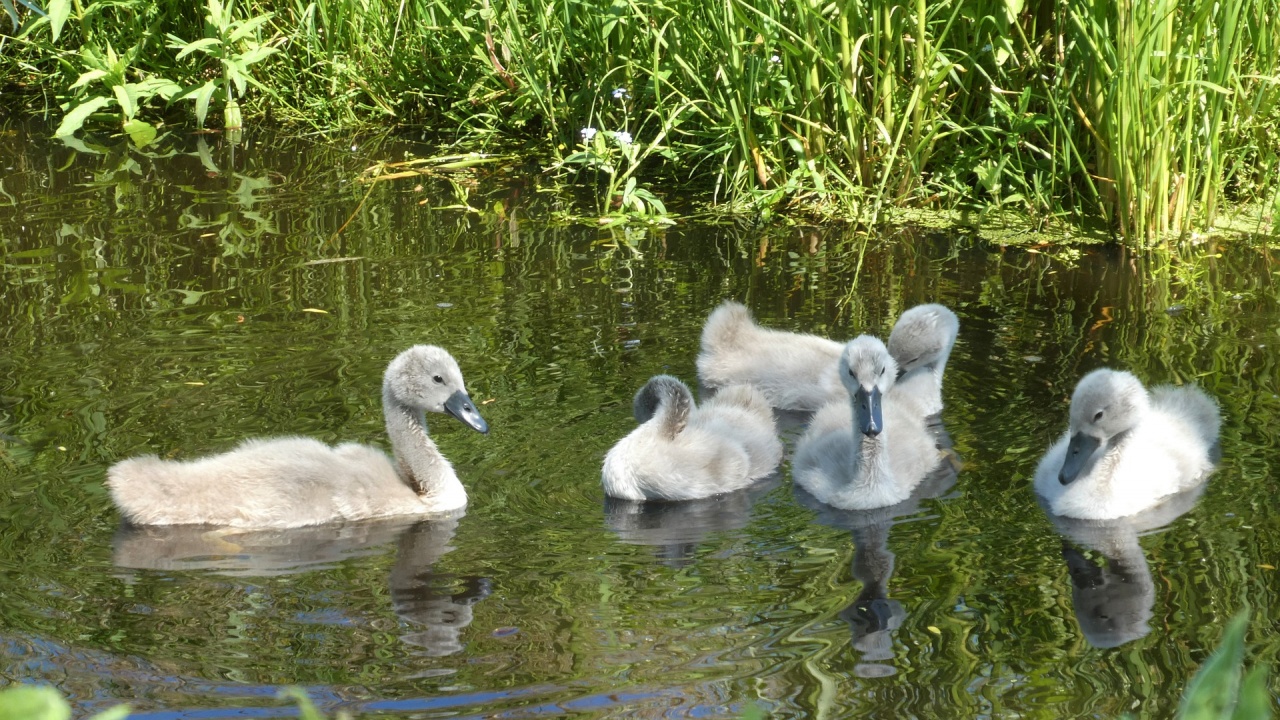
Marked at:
<point>32,702</point>
<point>130,79</point>
<point>41,702</point>
<point>1148,115</point>
<point>232,43</point>
<point>1217,690</point>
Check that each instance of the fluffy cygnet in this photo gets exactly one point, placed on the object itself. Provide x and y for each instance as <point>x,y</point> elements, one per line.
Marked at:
<point>683,452</point>
<point>1125,448</point>
<point>296,481</point>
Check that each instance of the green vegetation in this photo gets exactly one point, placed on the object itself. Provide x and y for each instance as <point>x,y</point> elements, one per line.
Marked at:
<point>1149,115</point>
<point>31,702</point>
<point>1216,692</point>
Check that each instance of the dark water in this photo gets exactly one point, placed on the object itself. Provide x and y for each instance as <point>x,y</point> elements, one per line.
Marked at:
<point>165,304</point>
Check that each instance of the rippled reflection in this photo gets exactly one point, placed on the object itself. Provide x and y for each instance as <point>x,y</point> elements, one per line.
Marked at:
<point>1113,594</point>
<point>251,553</point>
<point>874,616</point>
<point>675,529</point>
<point>435,606</point>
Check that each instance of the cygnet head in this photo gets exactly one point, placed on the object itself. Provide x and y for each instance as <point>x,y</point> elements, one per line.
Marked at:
<point>662,389</point>
<point>923,337</point>
<point>426,377</point>
<point>867,371</point>
<point>1105,405</point>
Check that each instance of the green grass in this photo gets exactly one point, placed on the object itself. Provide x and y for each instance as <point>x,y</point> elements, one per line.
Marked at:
<point>1148,115</point>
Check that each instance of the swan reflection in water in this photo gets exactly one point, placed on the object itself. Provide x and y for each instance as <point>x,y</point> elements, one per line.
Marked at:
<point>873,615</point>
<point>1113,596</point>
<point>676,529</point>
<point>435,607</point>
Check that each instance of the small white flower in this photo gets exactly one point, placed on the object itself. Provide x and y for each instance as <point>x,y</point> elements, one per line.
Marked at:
<point>587,133</point>
<point>619,93</point>
<point>775,60</point>
<point>623,138</point>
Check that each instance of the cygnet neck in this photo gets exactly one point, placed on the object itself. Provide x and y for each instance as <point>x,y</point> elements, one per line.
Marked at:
<point>422,467</point>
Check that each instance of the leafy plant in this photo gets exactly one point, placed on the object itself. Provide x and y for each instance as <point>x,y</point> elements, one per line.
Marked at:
<point>617,156</point>
<point>110,70</point>
<point>41,702</point>
<point>233,44</point>
<point>1217,692</point>
<point>32,702</point>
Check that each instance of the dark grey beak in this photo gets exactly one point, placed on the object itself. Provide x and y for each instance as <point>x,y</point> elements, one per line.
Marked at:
<point>870,420</point>
<point>460,406</point>
<point>1080,453</point>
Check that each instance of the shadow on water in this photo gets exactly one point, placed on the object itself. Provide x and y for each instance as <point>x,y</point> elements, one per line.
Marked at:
<point>176,302</point>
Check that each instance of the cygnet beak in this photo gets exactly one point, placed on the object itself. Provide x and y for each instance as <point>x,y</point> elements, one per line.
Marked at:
<point>1080,453</point>
<point>871,420</point>
<point>461,407</point>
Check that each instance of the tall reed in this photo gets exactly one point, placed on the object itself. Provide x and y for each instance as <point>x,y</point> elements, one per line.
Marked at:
<point>1147,114</point>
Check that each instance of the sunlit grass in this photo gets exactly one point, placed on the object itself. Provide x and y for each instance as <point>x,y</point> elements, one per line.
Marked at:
<point>1149,115</point>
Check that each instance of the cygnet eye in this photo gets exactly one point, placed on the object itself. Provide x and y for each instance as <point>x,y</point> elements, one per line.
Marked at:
<point>438,380</point>
<point>1097,416</point>
<point>880,373</point>
<point>852,373</point>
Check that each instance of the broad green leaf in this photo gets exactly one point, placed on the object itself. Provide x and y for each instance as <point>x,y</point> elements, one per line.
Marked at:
<point>78,145</point>
<point>1212,692</point>
<point>157,86</point>
<point>248,27</point>
<point>1012,9</point>
<point>140,133</point>
<point>237,72</point>
<point>255,55</point>
<point>127,98</point>
<point>86,78</point>
<point>1255,697</point>
<point>93,59</point>
<point>59,10</point>
<point>206,157</point>
<point>29,702</point>
<point>72,121</point>
<point>216,17</point>
<point>202,44</point>
<point>13,12</point>
<point>202,96</point>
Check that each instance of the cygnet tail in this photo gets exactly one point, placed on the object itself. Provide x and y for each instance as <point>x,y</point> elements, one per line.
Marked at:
<point>729,327</point>
<point>143,488</point>
<point>1191,405</point>
<point>742,396</point>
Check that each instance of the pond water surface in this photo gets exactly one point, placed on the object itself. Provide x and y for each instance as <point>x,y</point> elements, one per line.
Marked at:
<point>177,302</point>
